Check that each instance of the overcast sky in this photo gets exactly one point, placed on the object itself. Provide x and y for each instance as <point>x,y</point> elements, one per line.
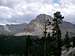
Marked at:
<point>20,11</point>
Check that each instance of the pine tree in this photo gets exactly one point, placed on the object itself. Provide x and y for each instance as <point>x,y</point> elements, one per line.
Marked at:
<point>28,46</point>
<point>56,30</point>
<point>46,23</point>
<point>67,41</point>
<point>73,39</point>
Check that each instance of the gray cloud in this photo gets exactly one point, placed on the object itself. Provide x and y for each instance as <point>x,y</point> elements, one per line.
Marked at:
<point>20,11</point>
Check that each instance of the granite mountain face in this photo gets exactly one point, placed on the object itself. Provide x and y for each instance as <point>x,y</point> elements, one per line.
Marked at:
<point>35,27</point>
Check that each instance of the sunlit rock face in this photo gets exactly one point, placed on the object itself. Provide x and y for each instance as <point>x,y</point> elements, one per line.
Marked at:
<point>36,26</point>
<point>39,23</point>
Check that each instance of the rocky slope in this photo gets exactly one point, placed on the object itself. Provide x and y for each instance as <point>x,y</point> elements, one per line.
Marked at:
<point>35,27</point>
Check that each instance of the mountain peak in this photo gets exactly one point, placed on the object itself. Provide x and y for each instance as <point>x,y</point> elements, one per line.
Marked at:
<point>41,18</point>
<point>34,27</point>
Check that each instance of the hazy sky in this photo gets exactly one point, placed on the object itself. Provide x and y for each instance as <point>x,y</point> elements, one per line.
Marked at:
<point>20,11</point>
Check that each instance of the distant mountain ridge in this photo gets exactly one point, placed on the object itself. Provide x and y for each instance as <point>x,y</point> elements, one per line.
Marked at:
<point>12,29</point>
<point>34,27</point>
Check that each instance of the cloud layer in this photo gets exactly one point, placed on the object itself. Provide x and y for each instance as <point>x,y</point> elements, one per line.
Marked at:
<point>20,11</point>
